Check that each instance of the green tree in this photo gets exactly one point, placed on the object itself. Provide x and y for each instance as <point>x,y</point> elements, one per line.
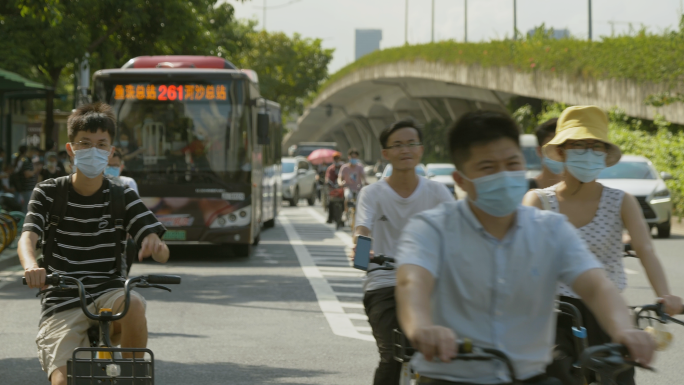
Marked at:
<point>289,68</point>
<point>44,37</point>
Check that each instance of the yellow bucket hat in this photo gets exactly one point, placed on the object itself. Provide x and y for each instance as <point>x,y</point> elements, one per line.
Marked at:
<point>580,123</point>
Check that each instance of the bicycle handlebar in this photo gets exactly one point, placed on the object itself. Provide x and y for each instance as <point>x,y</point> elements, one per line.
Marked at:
<point>146,281</point>
<point>608,360</point>
<point>468,352</point>
<point>658,309</point>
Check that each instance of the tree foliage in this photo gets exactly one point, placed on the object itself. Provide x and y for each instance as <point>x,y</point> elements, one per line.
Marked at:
<point>43,38</point>
<point>289,68</point>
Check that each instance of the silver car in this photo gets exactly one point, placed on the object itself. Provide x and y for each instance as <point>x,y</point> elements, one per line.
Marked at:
<point>299,180</point>
<point>637,176</point>
<point>441,172</point>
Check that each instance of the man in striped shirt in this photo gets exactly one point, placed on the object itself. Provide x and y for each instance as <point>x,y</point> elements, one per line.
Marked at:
<point>85,246</point>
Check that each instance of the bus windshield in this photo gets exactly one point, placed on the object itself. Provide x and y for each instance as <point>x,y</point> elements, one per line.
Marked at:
<point>184,140</point>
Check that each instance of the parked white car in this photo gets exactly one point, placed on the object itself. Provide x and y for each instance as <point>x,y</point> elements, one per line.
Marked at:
<point>299,180</point>
<point>637,176</point>
<point>441,172</point>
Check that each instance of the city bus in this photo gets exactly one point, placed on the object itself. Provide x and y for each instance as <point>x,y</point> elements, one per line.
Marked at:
<point>202,144</point>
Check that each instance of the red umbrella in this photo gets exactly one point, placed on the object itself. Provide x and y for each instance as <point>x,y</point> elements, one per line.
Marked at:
<point>322,155</point>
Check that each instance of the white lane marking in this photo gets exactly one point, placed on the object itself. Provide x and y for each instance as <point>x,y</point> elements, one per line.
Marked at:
<point>364,328</point>
<point>630,271</point>
<point>342,294</point>
<point>341,274</point>
<point>339,321</point>
<point>344,237</point>
<point>354,285</point>
<point>334,268</point>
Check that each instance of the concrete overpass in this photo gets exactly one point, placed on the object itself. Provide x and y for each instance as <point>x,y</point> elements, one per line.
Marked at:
<point>354,109</point>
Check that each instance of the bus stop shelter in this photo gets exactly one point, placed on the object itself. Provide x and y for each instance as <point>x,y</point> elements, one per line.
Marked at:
<point>13,89</point>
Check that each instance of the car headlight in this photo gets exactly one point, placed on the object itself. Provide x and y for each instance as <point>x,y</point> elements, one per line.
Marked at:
<point>662,194</point>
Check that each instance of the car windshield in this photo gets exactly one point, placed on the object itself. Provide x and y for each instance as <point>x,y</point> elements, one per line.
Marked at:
<point>531,158</point>
<point>628,170</point>
<point>288,167</point>
<point>441,170</point>
<point>201,136</point>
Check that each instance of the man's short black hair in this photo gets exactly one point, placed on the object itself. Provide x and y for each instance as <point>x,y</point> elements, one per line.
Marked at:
<point>398,125</point>
<point>546,129</point>
<point>91,118</point>
<point>353,151</point>
<point>478,128</point>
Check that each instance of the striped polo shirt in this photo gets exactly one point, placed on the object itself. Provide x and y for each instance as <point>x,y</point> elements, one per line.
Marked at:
<point>85,240</point>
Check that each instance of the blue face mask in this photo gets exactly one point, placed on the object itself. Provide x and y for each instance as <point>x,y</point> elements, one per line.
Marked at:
<point>585,165</point>
<point>500,194</point>
<point>112,171</point>
<point>353,161</point>
<point>554,166</point>
<point>91,162</point>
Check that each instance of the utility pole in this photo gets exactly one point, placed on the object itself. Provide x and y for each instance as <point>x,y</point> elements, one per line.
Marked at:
<point>264,15</point>
<point>589,20</point>
<point>406,25</point>
<point>465,19</point>
<point>515,20</point>
<point>433,21</point>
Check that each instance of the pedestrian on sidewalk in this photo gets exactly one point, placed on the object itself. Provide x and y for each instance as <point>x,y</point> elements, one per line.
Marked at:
<point>383,209</point>
<point>24,176</point>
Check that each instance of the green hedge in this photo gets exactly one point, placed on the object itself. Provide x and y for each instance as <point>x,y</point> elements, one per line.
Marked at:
<point>643,56</point>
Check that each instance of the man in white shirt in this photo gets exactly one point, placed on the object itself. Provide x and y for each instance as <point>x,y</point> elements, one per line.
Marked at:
<point>383,210</point>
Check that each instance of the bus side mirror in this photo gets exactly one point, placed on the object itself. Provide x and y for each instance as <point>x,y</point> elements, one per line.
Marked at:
<point>263,123</point>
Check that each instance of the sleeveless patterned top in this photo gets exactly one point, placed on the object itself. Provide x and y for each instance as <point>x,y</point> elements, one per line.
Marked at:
<point>603,236</point>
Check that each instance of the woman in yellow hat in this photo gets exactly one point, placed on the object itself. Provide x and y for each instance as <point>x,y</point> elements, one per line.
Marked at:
<point>600,213</point>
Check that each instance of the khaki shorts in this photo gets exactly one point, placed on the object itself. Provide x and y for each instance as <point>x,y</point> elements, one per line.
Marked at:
<point>65,331</point>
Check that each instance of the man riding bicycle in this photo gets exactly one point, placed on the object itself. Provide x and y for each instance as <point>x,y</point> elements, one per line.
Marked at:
<point>86,244</point>
<point>351,177</point>
<point>486,268</point>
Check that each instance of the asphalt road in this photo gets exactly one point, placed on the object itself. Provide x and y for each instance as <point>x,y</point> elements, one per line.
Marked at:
<point>290,314</point>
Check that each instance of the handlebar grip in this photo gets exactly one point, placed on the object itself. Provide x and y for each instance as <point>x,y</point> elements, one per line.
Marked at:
<point>50,279</point>
<point>164,279</point>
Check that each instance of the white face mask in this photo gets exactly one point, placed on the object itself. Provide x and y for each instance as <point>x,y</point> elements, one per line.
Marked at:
<point>91,162</point>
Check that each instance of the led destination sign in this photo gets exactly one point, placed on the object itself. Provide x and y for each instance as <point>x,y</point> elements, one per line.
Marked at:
<point>166,92</point>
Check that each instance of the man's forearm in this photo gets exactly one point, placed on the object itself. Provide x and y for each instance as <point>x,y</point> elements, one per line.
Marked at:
<point>413,299</point>
<point>27,252</point>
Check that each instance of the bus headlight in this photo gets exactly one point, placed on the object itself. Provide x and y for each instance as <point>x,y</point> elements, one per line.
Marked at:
<point>240,218</point>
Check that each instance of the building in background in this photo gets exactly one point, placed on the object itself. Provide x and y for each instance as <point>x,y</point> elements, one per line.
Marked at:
<point>367,41</point>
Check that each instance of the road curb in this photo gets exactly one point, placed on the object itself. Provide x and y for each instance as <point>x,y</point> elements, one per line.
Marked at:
<point>677,227</point>
<point>8,258</point>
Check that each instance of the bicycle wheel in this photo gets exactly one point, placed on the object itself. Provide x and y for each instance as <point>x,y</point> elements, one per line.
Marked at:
<point>9,226</point>
<point>11,223</point>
